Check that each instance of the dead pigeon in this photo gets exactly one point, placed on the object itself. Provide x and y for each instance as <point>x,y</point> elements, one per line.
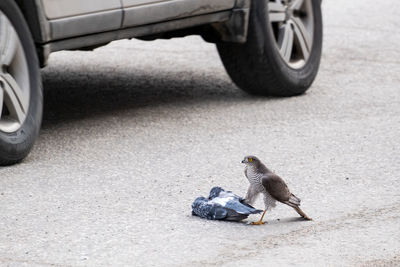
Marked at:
<point>222,205</point>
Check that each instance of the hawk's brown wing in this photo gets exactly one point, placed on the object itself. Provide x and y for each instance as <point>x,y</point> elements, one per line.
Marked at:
<point>276,187</point>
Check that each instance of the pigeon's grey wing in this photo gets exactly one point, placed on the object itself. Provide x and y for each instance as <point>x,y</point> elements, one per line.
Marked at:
<point>210,211</point>
<point>240,208</point>
<point>232,215</point>
<point>233,204</point>
<point>238,211</point>
<point>229,194</point>
<point>276,187</point>
<point>239,198</point>
<point>217,213</point>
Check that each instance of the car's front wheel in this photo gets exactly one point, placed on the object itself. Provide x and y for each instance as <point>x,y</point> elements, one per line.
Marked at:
<point>21,97</point>
<point>283,49</point>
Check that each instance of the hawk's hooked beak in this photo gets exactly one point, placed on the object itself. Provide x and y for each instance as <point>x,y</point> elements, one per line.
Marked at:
<point>243,161</point>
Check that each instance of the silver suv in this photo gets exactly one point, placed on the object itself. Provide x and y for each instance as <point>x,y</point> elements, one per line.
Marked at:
<point>268,47</point>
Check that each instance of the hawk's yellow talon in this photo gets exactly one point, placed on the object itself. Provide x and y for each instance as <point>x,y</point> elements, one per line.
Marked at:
<point>260,222</point>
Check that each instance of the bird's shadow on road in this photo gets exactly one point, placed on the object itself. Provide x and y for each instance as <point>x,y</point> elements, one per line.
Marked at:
<point>248,222</point>
<point>278,221</point>
<point>81,93</point>
<point>287,220</point>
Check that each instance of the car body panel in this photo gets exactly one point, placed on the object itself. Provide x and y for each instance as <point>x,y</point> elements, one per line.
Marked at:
<point>130,3</point>
<point>141,12</point>
<point>70,18</point>
<point>94,40</point>
<point>85,24</point>
<point>55,9</point>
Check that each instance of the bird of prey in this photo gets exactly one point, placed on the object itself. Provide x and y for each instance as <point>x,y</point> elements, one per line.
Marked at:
<point>264,181</point>
<point>222,205</point>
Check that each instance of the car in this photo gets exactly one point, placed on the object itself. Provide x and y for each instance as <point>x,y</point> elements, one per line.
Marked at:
<point>268,47</point>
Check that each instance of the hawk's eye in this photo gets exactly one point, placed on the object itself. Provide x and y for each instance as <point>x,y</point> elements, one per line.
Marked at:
<point>250,159</point>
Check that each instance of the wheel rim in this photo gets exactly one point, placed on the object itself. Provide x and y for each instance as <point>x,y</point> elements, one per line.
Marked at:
<point>14,78</point>
<point>292,22</point>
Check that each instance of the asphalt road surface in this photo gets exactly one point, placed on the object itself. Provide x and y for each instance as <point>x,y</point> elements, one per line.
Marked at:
<point>134,131</point>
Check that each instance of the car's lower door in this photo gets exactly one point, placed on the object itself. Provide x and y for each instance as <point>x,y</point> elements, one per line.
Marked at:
<point>69,18</point>
<point>141,12</point>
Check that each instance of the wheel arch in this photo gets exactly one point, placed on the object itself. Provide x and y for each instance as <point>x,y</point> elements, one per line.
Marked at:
<point>37,22</point>
<point>38,26</point>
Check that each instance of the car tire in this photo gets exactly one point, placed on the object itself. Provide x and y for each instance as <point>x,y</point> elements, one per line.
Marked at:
<point>269,63</point>
<point>21,97</point>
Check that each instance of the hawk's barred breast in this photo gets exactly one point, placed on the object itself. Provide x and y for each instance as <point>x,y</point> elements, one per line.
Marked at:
<point>255,179</point>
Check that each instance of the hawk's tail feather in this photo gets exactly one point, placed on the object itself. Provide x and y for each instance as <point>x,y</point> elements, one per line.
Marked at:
<point>301,213</point>
<point>293,200</point>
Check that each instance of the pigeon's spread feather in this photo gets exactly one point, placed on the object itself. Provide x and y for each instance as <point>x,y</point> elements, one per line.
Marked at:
<point>222,205</point>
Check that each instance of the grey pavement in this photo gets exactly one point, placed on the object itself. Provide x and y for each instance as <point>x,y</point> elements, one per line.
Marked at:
<point>134,131</point>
